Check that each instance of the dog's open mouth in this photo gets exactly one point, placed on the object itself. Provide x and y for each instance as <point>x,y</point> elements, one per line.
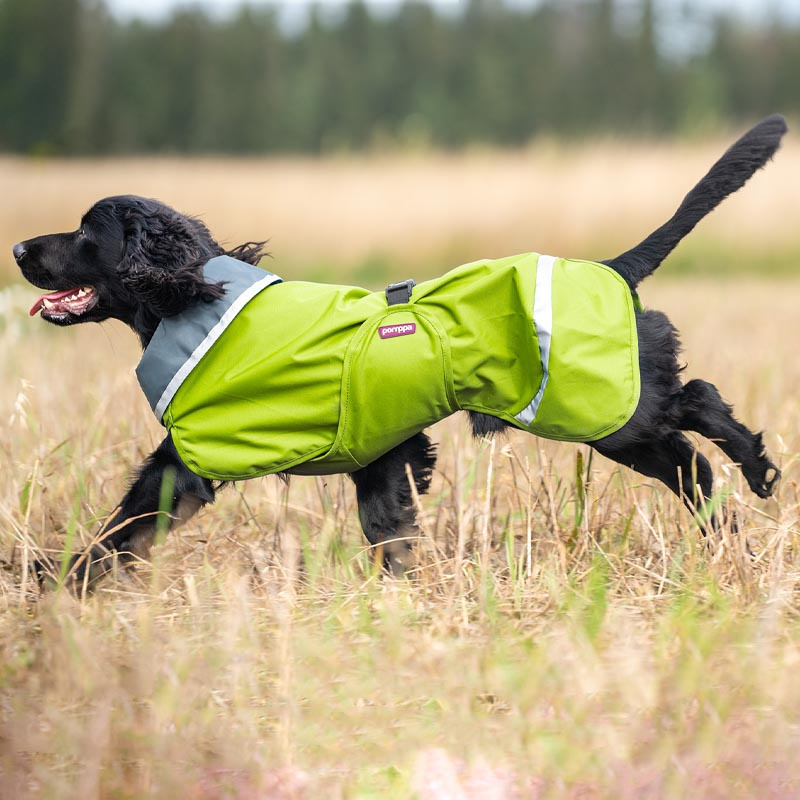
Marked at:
<point>59,305</point>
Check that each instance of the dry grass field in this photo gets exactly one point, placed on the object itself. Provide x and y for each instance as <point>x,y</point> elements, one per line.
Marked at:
<point>365,217</point>
<point>568,634</point>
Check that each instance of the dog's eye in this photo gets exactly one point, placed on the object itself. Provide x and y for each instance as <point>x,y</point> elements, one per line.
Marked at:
<point>81,233</point>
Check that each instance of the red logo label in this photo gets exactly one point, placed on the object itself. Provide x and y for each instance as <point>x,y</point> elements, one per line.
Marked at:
<point>403,329</point>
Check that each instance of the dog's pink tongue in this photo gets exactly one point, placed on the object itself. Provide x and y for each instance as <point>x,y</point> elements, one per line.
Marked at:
<point>52,297</point>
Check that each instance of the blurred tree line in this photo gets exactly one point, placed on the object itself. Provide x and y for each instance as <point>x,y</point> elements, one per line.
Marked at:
<point>76,80</point>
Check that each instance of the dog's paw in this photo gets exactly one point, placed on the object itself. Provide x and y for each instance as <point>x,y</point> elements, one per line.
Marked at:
<point>46,572</point>
<point>768,483</point>
<point>84,570</point>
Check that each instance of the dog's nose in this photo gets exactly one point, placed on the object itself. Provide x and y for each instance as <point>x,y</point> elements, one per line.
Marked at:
<point>19,251</point>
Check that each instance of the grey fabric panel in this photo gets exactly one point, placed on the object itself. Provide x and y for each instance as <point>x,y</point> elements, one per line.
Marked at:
<point>178,337</point>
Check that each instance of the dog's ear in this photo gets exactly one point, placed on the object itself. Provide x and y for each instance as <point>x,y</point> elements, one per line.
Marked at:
<point>163,257</point>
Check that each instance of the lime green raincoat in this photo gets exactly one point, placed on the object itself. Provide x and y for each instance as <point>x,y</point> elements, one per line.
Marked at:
<point>317,379</point>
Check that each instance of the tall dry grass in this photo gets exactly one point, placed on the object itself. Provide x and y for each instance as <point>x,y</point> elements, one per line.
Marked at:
<point>568,634</point>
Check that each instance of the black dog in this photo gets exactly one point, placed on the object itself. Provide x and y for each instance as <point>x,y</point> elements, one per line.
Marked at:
<point>139,261</point>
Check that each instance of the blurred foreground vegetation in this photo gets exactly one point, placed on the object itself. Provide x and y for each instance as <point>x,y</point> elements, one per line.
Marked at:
<point>76,80</point>
<point>568,636</point>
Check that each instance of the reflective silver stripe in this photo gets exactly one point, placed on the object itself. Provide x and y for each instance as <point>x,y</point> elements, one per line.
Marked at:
<point>543,322</point>
<point>180,376</point>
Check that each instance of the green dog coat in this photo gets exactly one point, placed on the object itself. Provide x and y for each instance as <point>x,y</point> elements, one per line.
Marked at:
<point>317,379</point>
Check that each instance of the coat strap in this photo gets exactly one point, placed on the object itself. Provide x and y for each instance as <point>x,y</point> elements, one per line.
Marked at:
<point>397,293</point>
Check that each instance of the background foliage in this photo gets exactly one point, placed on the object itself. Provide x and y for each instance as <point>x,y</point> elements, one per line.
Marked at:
<point>76,80</point>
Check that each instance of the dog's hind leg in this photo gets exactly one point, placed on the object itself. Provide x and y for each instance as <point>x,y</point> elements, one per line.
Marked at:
<point>131,531</point>
<point>700,408</point>
<point>385,501</point>
<point>675,462</point>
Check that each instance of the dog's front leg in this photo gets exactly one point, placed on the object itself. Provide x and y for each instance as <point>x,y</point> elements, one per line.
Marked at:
<point>130,532</point>
<point>385,501</point>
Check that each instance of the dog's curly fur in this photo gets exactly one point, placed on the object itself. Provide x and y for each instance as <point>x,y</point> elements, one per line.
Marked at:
<point>143,262</point>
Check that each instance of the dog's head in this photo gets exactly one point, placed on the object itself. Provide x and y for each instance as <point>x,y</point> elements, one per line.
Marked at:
<point>131,258</point>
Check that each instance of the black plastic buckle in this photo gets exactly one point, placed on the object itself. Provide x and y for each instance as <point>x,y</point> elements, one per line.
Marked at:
<point>397,293</point>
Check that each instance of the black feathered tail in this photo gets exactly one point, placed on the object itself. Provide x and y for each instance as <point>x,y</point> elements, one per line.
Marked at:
<point>730,173</point>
